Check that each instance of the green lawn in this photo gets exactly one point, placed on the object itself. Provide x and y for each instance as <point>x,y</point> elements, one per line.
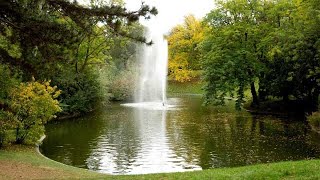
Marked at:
<point>21,162</point>
<point>194,87</point>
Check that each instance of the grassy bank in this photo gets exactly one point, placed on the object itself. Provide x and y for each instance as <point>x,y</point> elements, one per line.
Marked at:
<point>194,87</point>
<point>22,162</point>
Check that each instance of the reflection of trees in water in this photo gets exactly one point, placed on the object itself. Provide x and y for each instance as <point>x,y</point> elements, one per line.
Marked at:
<point>121,139</point>
<point>93,140</point>
<point>68,141</point>
<point>222,139</point>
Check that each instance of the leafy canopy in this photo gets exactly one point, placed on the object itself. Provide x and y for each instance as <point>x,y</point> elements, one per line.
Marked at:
<point>184,54</point>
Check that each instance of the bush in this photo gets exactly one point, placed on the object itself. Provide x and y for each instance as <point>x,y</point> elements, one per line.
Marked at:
<point>122,86</point>
<point>8,80</point>
<point>79,92</point>
<point>33,104</point>
<point>6,123</point>
<point>314,120</point>
<point>118,83</point>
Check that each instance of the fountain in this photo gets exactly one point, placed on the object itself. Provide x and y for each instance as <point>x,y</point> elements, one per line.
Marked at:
<point>153,75</point>
<point>151,86</point>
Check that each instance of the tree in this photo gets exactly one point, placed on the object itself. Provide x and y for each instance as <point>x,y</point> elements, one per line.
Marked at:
<point>230,55</point>
<point>293,66</point>
<point>272,43</point>
<point>56,40</point>
<point>184,55</point>
<point>8,80</point>
<point>46,39</point>
<point>50,31</point>
<point>33,105</point>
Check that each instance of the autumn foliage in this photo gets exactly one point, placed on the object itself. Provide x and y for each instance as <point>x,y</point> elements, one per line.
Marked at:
<point>184,54</point>
<point>30,106</point>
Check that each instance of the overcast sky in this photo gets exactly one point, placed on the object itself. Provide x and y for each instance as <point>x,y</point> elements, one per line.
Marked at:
<point>172,12</point>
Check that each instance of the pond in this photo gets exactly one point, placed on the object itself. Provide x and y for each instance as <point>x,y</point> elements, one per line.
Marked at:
<point>124,140</point>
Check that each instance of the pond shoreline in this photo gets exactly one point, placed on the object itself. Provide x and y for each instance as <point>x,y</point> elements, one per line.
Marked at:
<point>37,149</point>
<point>256,113</point>
<point>28,160</point>
<point>68,140</point>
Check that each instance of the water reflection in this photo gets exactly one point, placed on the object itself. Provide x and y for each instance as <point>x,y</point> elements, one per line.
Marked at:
<point>125,140</point>
<point>241,139</point>
<point>143,150</point>
<point>118,145</point>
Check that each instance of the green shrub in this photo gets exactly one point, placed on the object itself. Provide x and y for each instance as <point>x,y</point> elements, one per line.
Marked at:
<point>33,104</point>
<point>79,92</point>
<point>192,87</point>
<point>6,123</point>
<point>122,87</point>
<point>118,83</point>
<point>314,120</point>
<point>8,80</point>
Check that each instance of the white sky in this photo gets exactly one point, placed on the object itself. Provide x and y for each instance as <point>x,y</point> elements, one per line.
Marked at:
<point>172,12</point>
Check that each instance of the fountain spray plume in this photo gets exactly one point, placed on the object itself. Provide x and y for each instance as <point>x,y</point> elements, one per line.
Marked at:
<point>154,64</point>
<point>150,92</point>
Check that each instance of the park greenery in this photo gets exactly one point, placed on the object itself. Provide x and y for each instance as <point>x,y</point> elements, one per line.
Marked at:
<point>270,48</point>
<point>184,53</point>
<point>53,54</point>
<point>60,58</point>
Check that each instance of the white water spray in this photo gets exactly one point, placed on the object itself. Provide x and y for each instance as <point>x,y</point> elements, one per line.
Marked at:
<point>151,86</point>
<point>153,72</point>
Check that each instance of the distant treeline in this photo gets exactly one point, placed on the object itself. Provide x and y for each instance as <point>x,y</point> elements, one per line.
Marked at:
<point>269,48</point>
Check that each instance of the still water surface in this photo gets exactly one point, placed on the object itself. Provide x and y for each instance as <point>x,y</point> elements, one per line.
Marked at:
<point>123,140</point>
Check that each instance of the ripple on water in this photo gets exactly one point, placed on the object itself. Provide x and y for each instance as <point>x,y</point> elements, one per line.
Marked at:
<point>123,140</point>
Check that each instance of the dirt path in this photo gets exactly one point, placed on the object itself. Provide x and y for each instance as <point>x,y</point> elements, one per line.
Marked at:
<point>25,162</point>
<point>18,170</point>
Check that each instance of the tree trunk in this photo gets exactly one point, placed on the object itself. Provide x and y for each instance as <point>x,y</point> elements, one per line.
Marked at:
<point>255,100</point>
<point>18,139</point>
<point>285,97</point>
<point>313,101</point>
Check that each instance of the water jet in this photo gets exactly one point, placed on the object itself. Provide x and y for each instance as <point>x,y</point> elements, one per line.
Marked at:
<point>151,86</point>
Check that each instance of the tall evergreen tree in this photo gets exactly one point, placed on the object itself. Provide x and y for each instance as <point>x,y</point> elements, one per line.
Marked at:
<point>46,31</point>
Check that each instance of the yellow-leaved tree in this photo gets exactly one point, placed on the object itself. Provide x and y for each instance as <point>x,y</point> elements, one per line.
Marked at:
<point>33,104</point>
<point>184,54</point>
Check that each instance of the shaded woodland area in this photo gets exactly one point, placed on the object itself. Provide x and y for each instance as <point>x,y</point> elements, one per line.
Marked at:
<point>52,55</point>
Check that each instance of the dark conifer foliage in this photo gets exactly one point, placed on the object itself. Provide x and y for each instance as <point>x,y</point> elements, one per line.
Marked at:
<point>44,30</point>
